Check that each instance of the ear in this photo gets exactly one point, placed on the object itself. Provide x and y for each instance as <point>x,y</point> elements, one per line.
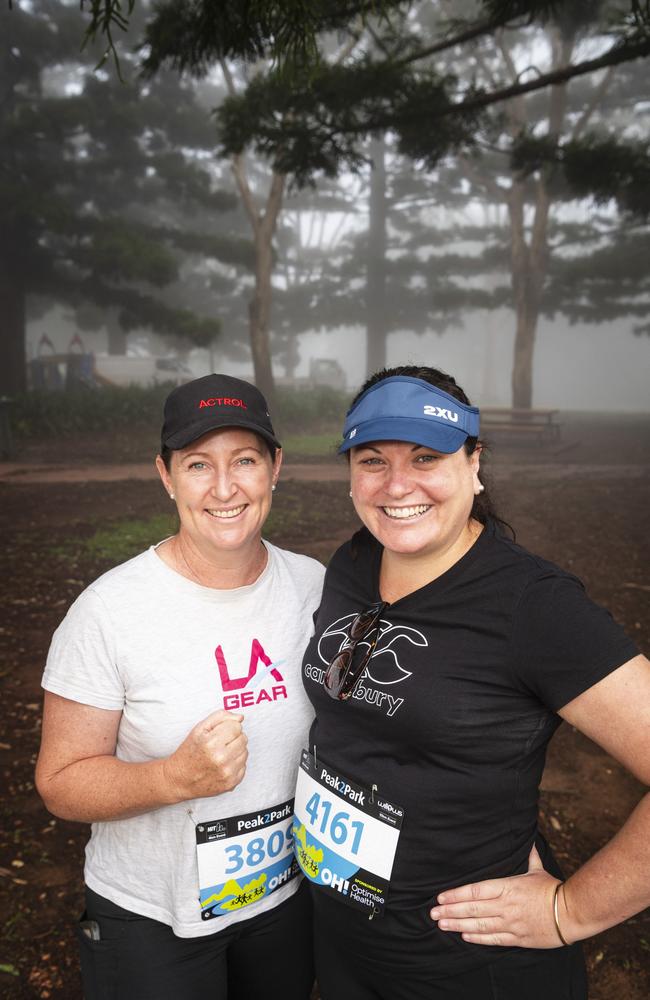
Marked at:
<point>277,465</point>
<point>164,475</point>
<point>475,462</point>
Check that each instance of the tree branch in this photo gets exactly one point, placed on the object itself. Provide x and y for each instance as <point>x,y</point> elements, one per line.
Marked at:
<point>274,202</point>
<point>245,191</point>
<point>597,96</point>
<point>486,180</point>
<point>483,28</point>
<point>348,48</point>
<point>228,77</point>
<point>616,55</point>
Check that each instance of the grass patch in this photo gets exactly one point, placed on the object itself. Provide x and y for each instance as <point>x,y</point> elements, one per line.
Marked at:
<point>121,540</point>
<point>126,538</point>
<point>309,446</point>
<point>304,516</point>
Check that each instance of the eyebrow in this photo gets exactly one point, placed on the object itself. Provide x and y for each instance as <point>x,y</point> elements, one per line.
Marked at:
<point>236,451</point>
<point>369,447</point>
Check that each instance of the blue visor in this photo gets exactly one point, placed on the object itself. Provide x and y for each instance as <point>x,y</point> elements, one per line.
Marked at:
<point>402,408</point>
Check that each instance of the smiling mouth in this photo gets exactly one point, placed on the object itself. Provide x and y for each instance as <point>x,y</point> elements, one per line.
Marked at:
<point>225,515</point>
<point>405,513</point>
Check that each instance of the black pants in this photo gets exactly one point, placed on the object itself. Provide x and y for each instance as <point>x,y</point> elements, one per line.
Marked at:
<point>137,958</point>
<point>358,959</point>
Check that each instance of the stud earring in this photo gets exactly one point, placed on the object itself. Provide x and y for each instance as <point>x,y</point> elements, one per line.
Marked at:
<point>273,488</point>
<point>172,496</point>
<point>350,494</point>
<point>480,489</point>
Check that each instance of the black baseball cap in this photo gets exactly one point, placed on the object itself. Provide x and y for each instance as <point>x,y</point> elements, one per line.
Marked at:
<point>193,409</point>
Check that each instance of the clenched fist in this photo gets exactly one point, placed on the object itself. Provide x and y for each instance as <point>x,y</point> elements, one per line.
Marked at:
<point>210,760</point>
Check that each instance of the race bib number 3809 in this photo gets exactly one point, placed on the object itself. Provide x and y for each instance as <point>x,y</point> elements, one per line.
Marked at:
<point>242,859</point>
<point>345,837</point>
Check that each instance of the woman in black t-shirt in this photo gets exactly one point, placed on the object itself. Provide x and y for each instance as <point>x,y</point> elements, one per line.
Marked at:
<point>444,658</point>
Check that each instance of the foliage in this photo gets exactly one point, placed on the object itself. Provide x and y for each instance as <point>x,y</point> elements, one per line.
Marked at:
<point>106,16</point>
<point>104,196</point>
<point>314,119</point>
<point>437,79</point>
<point>193,36</point>
<point>197,34</point>
<point>601,286</point>
<point>598,166</point>
<point>310,410</point>
<point>47,414</point>
<point>316,128</point>
<point>609,170</point>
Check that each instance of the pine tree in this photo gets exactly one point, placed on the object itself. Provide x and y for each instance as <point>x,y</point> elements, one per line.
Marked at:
<point>311,118</point>
<point>96,194</point>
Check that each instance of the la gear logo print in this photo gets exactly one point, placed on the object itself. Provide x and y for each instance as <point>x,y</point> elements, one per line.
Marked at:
<point>252,689</point>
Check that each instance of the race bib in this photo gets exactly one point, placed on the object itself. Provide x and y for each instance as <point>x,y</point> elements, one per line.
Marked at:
<point>345,837</point>
<point>244,858</point>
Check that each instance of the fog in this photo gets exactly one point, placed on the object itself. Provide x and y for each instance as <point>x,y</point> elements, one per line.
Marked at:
<point>604,367</point>
<point>149,232</point>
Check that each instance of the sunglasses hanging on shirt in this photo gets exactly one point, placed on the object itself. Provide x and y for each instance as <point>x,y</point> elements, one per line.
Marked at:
<point>346,669</point>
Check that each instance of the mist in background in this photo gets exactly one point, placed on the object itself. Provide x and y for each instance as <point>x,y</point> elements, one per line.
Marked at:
<point>130,231</point>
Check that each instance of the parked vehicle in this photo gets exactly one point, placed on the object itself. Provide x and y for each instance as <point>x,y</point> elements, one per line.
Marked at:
<point>74,368</point>
<point>326,371</point>
<point>121,369</point>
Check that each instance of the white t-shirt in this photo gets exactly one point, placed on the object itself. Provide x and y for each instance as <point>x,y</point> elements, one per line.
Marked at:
<point>167,652</point>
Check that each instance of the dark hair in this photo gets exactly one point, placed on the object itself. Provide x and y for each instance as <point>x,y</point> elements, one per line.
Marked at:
<point>483,507</point>
<point>166,453</point>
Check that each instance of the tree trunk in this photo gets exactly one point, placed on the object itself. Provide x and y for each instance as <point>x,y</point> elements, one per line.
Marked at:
<point>13,375</point>
<point>116,339</point>
<point>528,273</point>
<point>376,325</point>
<point>529,261</point>
<point>259,311</point>
<point>522,365</point>
<point>263,225</point>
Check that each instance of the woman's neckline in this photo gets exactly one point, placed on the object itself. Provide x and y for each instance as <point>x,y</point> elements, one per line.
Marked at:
<point>170,557</point>
<point>437,582</point>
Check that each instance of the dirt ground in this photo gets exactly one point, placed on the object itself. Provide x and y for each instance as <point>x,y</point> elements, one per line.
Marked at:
<point>583,503</point>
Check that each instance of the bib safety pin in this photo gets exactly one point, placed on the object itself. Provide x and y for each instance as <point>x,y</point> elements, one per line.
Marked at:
<point>315,757</point>
<point>372,799</point>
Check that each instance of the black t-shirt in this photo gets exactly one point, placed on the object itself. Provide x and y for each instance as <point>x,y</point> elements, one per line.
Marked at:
<point>453,716</point>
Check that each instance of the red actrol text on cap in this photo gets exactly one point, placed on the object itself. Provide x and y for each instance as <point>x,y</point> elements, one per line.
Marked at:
<point>223,401</point>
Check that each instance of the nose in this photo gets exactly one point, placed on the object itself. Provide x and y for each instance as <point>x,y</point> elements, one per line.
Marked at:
<point>398,482</point>
<point>223,487</point>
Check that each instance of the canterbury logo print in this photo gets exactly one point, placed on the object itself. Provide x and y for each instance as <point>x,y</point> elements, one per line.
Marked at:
<point>242,692</point>
<point>383,670</point>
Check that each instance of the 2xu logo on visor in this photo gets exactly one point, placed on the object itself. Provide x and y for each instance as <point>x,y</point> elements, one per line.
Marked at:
<point>441,413</point>
<point>403,408</point>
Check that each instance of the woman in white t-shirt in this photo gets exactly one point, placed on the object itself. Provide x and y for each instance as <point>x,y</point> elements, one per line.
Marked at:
<point>174,716</point>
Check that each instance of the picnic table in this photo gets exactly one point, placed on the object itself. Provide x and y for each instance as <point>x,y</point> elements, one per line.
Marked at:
<point>537,425</point>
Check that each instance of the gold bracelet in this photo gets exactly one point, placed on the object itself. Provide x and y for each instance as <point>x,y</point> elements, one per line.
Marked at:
<point>555,915</point>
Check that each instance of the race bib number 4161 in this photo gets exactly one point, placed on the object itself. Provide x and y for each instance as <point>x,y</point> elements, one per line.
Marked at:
<point>345,837</point>
<point>242,859</point>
